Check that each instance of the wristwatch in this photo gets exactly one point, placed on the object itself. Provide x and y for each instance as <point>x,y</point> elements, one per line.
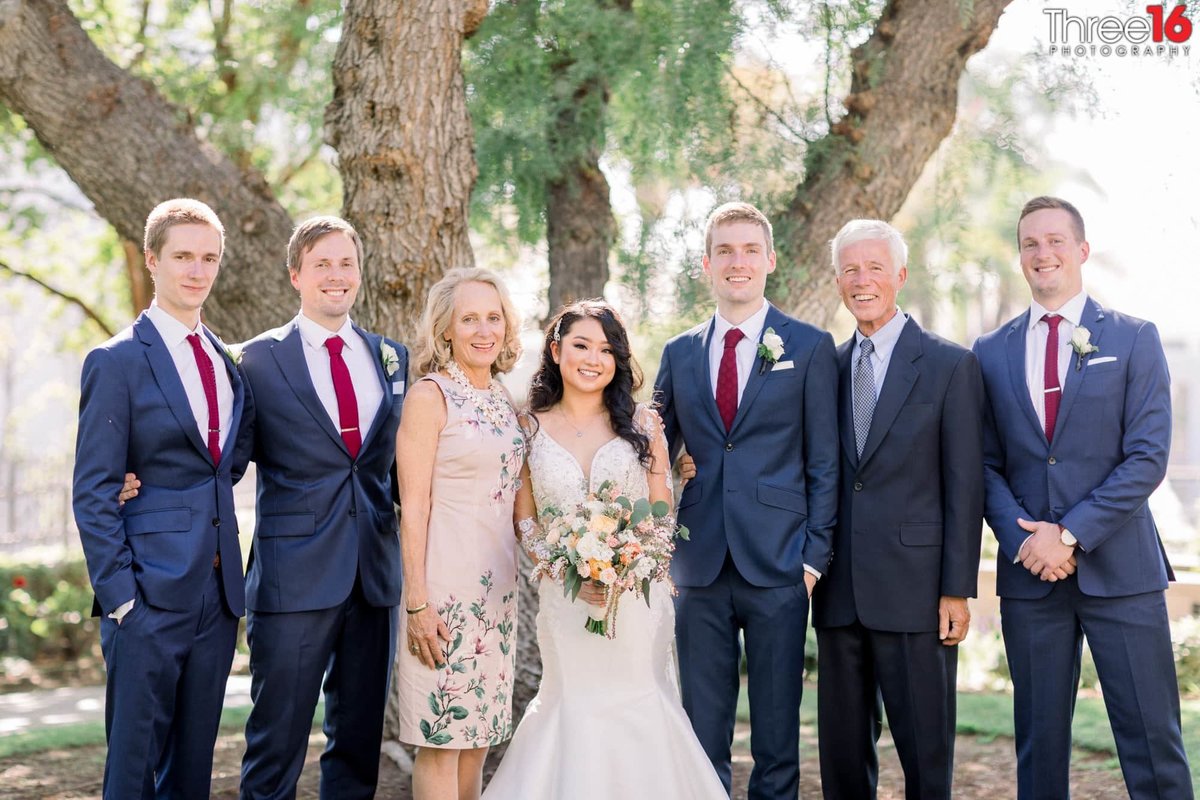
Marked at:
<point>1066,537</point>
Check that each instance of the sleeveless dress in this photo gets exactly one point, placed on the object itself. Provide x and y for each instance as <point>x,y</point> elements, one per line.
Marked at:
<point>607,722</point>
<point>471,571</point>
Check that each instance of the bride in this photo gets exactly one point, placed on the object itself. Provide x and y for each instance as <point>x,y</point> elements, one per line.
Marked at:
<point>607,720</point>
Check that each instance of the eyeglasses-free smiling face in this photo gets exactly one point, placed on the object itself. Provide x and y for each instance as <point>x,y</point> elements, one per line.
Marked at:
<point>869,282</point>
<point>328,279</point>
<point>476,332</point>
<point>1051,256</point>
<point>185,269</point>
<point>738,263</point>
<point>585,357</point>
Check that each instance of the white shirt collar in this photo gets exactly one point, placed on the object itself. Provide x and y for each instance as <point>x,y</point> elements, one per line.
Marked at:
<point>170,329</point>
<point>1071,311</point>
<point>315,334</point>
<point>751,326</point>
<point>886,337</point>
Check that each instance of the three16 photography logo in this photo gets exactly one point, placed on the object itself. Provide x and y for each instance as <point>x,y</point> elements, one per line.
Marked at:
<point>1159,31</point>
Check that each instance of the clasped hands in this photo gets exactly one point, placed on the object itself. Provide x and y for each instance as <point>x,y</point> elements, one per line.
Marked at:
<point>1043,553</point>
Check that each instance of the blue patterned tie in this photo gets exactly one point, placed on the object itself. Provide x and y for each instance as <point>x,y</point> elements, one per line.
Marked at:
<point>864,394</point>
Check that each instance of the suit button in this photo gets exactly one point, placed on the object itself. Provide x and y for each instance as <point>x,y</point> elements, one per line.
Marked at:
<point>353,513</point>
<point>857,486</point>
<point>1053,461</point>
<point>729,447</point>
<point>216,522</point>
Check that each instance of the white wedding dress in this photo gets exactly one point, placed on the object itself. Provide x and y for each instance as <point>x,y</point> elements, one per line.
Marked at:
<point>607,723</point>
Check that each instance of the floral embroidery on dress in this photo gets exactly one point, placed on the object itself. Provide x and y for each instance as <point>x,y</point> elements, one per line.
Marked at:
<point>498,418</point>
<point>460,705</point>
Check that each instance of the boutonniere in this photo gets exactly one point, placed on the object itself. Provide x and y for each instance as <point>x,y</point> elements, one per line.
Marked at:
<point>233,354</point>
<point>389,358</point>
<point>770,349</point>
<point>1081,343</point>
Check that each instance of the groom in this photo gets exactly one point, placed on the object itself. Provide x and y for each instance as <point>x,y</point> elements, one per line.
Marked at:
<point>752,395</point>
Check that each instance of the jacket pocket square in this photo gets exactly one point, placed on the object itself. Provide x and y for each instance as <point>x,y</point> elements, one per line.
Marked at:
<point>398,387</point>
<point>782,365</point>
<point>1102,360</point>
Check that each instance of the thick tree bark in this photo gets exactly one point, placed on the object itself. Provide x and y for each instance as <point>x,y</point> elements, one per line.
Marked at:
<point>405,149</point>
<point>902,103</point>
<point>129,149</point>
<point>579,232</point>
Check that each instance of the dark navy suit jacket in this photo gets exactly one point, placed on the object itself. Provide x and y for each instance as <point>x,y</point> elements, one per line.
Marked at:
<point>910,515</point>
<point>766,491</point>
<point>1110,448</point>
<point>134,416</point>
<point>323,517</point>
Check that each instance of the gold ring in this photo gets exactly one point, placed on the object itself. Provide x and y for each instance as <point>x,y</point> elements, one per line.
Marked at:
<point>412,648</point>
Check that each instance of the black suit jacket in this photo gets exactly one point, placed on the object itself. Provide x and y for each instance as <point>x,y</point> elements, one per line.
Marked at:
<point>910,511</point>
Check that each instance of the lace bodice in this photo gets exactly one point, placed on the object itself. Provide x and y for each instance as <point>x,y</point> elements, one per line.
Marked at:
<point>559,479</point>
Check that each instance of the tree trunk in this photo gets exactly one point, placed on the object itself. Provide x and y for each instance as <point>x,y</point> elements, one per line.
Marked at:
<point>902,103</point>
<point>579,231</point>
<point>128,149</point>
<point>405,149</point>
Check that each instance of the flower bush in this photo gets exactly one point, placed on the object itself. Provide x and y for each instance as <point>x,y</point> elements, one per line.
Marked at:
<point>45,614</point>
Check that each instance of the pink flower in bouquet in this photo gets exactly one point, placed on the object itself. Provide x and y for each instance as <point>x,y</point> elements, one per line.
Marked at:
<point>608,576</point>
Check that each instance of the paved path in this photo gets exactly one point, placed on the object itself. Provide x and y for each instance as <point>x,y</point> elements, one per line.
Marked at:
<point>24,711</point>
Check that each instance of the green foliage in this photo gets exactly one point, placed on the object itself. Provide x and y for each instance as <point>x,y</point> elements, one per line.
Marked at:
<point>45,613</point>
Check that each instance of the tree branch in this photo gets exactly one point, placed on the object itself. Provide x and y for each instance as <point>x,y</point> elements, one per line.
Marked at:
<point>762,104</point>
<point>59,293</point>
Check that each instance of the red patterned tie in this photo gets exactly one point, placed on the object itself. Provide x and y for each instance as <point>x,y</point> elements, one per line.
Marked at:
<point>727,378</point>
<point>1053,394</point>
<point>208,379</point>
<point>343,388</point>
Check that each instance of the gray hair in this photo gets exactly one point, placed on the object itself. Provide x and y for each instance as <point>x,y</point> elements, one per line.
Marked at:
<point>868,230</point>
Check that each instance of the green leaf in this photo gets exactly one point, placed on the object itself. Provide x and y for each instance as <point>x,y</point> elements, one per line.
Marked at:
<point>683,533</point>
<point>434,706</point>
<point>641,510</point>
<point>660,508</point>
<point>439,738</point>
<point>624,502</point>
<point>425,729</point>
<point>458,712</point>
<point>646,591</point>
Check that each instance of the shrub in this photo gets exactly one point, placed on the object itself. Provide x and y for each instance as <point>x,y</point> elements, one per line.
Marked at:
<point>45,614</point>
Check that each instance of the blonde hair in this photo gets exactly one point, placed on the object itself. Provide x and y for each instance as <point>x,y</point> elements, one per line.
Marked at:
<point>730,213</point>
<point>180,211</point>
<point>433,351</point>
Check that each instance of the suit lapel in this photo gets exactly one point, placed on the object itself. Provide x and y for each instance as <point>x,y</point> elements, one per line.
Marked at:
<point>374,343</point>
<point>846,406</point>
<point>702,372</point>
<point>758,375</point>
<point>897,384</point>
<point>169,382</point>
<point>1092,319</point>
<point>1014,343</point>
<point>235,382</point>
<point>289,356</point>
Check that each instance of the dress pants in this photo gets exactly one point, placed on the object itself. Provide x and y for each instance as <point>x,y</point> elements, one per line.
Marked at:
<point>166,684</point>
<point>914,675</point>
<point>351,647</point>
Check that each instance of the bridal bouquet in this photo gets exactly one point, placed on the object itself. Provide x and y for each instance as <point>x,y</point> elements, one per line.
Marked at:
<point>621,543</point>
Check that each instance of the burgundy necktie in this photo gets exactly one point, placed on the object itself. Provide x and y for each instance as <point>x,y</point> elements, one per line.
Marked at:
<point>343,388</point>
<point>1053,394</point>
<point>208,379</point>
<point>727,378</point>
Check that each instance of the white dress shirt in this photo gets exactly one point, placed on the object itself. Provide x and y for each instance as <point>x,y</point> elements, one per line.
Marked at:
<point>174,334</point>
<point>745,352</point>
<point>1035,348</point>
<point>360,361</point>
<point>884,340</point>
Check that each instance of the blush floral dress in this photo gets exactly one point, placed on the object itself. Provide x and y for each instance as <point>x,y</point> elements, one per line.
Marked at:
<point>471,572</point>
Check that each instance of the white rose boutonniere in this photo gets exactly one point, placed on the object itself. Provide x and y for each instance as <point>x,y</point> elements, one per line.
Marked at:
<point>1081,343</point>
<point>234,354</point>
<point>770,349</point>
<point>389,358</point>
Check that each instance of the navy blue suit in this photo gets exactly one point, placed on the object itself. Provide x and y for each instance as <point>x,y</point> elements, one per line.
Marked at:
<point>323,582</point>
<point>169,658</point>
<point>761,506</point>
<point>1109,452</point>
<point>910,518</point>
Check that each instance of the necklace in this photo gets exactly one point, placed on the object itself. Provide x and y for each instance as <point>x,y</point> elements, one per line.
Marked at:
<point>492,402</point>
<point>578,431</point>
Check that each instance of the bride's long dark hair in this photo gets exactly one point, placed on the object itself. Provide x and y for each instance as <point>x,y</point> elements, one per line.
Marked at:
<point>547,387</point>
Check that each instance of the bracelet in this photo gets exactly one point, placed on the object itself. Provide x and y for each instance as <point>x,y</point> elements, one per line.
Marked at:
<point>418,609</point>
